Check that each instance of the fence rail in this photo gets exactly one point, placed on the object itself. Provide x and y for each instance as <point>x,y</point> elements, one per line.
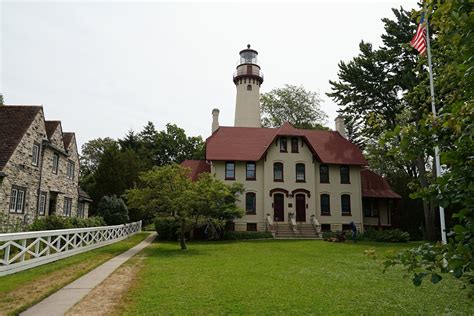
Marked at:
<point>21,251</point>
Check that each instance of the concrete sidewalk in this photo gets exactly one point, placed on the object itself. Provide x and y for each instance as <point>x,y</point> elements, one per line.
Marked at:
<point>61,301</point>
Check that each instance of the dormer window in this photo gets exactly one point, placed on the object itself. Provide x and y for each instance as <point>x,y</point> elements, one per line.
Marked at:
<point>283,145</point>
<point>294,144</point>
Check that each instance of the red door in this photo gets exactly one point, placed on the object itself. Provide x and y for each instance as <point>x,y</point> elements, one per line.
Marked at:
<point>278,207</point>
<point>300,208</point>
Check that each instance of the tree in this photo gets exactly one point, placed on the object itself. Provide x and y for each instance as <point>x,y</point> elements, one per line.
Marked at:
<point>117,171</point>
<point>377,93</point>
<point>292,104</point>
<point>113,210</point>
<point>91,153</point>
<point>453,132</point>
<point>168,191</point>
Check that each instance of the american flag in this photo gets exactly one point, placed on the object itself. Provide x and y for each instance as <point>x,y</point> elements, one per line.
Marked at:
<point>419,40</point>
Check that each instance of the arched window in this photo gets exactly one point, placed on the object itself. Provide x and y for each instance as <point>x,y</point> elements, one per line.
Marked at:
<point>249,87</point>
<point>250,203</point>
<point>300,173</point>
<point>278,172</point>
<point>346,204</point>
<point>325,206</point>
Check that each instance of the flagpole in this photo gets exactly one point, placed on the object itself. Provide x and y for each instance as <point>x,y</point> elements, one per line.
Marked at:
<point>436,148</point>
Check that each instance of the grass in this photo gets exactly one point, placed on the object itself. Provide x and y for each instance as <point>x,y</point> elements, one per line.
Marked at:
<point>23,289</point>
<point>282,277</point>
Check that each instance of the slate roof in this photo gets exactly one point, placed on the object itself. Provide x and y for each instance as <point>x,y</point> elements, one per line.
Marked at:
<point>51,127</point>
<point>250,144</point>
<point>375,186</point>
<point>83,194</point>
<point>67,137</point>
<point>197,167</point>
<point>14,122</point>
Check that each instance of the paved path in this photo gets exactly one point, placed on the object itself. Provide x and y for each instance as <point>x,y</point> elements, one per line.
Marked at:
<point>61,301</point>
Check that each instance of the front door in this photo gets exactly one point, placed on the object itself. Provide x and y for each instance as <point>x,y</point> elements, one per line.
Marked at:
<point>300,208</point>
<point>278,207</point>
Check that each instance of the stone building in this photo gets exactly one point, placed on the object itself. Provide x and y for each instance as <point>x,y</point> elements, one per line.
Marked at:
<point>39,166</point>
<point>296,181</point>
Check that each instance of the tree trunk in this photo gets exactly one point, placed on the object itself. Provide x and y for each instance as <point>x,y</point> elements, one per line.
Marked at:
<point>182,235</point>
<point>428,210</point>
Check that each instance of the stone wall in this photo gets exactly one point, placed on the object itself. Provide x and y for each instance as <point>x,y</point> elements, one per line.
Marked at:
<point>22,173</point>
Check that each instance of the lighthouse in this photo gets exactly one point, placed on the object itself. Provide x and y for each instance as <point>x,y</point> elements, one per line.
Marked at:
<point>247,79</point>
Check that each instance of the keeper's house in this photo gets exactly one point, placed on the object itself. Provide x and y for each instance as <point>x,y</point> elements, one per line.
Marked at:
<point>39,166</point>
<point>296,181</point>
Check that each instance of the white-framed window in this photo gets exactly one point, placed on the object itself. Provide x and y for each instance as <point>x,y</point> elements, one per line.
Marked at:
<point>67,207</point>
<point>70,169</point>
<point>80,209</point>
<point>42,203</point>
<point>17,200</point>
<point>55,163</point>
<point>35,154</point>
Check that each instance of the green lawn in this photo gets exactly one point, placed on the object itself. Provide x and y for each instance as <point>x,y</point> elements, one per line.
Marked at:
<point>23,289</point>
<point>276,277</point>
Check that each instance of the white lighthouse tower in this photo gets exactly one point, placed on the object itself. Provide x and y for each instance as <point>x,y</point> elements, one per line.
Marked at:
<point>248,79</point>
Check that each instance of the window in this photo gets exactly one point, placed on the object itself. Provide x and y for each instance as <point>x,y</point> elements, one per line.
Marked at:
<point>345,174</point>
<point>300,174</point>
<point>67,207</point>
<point>249,87</point>
<point>55,163</point>
<point>80,209</point>
<point>251,227</point>
<point>230,170</point>
<point>35,156</point>
<point>346,227</point>
<point>278,172</point>
<point>70,169</point>
<point>17,200</point>
<point>294,144</point>
<point>250,203</point>
<point>325,227</point>
<point>42,203</point>
<point>346,204</point>
<point>325,206</point>
<point>250,172</point>
<point>370,207</point>
<point>323,173</point>
<point>283,145</point>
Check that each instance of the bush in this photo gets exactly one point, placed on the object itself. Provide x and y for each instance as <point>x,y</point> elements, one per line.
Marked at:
<point>166,227</point>
<point>54,222</point>
<point>113,210</point>
<point>246,235</point>
<point>392,235</point>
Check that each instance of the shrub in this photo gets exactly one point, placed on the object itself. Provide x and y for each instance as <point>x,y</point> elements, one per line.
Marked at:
<point>54,222</point>
<point>113,210</point>
<point>246,235</point>
<point>166,227</point>
<point>392,235</point>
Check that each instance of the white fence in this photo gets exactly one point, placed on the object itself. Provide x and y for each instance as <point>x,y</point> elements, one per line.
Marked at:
<point>21,251</point>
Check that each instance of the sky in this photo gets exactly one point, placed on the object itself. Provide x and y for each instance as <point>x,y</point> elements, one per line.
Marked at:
<point>105,67</point>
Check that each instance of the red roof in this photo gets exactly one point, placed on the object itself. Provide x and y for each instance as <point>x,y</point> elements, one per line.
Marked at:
<point>197,167</point>
<point>250,144</point>
<point>375,186</point>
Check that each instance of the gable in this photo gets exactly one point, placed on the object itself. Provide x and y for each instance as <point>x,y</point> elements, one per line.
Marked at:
<point>14,123</point>
<point>250,144</point>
